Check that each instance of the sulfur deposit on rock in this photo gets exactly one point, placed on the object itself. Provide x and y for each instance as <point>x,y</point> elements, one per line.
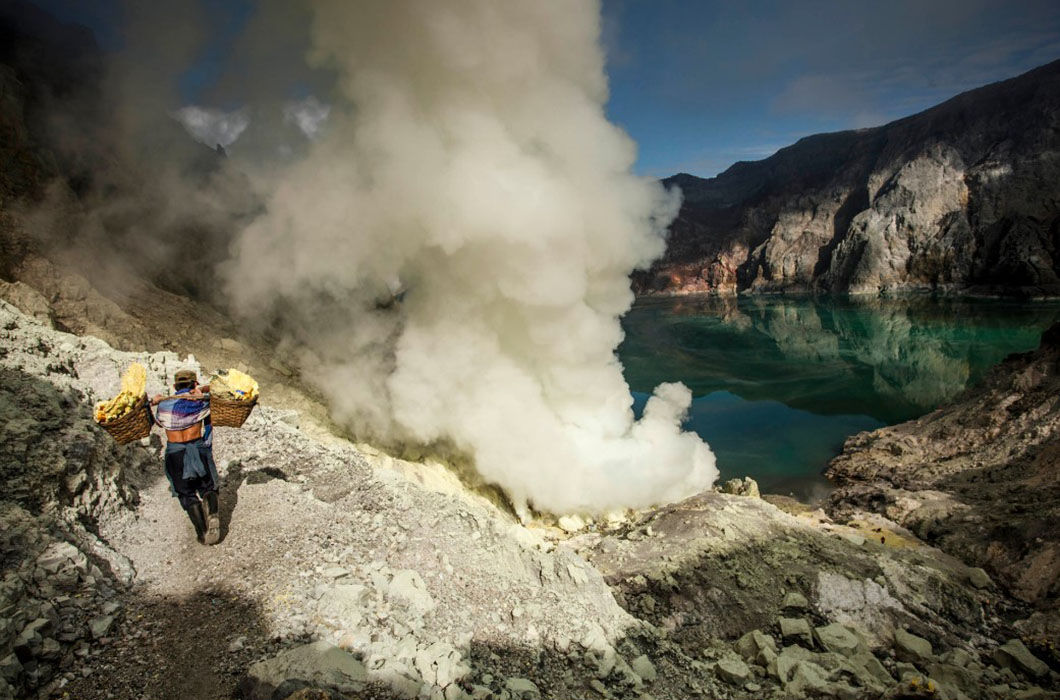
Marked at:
<point>741,487</point>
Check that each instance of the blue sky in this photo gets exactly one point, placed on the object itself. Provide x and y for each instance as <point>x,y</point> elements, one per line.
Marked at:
<point>701,84</point>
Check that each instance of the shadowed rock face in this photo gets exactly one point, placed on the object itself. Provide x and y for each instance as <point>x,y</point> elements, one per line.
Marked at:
<point>43,62</point>
<point>962,197</point>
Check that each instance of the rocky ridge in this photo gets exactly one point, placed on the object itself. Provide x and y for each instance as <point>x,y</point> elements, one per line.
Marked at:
<point>348,573</point>
<point>959,198</point>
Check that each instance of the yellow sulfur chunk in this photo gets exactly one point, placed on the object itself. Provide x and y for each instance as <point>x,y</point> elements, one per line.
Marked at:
<point>133,387</point>
<point>234,385</point>
<point>116,407</point>
<point>134,381</point>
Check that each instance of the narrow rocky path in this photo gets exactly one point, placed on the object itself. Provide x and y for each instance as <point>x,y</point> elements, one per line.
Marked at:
<point>190,625</point>
<point>316,545</point>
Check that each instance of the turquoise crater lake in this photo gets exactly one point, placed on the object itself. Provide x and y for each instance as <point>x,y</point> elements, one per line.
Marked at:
<point>780,382</point>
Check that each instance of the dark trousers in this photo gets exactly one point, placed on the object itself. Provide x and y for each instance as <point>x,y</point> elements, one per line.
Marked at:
<point>188,490</point>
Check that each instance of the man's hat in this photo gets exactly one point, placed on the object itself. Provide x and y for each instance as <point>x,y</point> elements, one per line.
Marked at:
<point>185,376</point>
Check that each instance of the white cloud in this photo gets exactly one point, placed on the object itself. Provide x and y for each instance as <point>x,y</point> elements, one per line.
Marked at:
<point>213,126</point>
<point>309,115</point>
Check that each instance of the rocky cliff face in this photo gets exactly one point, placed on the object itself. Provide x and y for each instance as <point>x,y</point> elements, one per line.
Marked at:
<point>962,197</point>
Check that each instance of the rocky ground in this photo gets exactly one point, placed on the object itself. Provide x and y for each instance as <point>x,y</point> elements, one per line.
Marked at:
<point>344,572</point>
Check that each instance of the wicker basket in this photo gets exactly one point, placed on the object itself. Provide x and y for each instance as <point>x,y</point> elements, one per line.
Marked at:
<point>226,413</point>
<point>132,426</point>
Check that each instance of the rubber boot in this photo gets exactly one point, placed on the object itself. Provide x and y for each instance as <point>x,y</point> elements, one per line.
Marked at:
<point>197,519</point>
<point>213,519</point>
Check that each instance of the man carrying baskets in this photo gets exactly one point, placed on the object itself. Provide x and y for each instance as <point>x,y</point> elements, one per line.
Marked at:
<point>190,468</point>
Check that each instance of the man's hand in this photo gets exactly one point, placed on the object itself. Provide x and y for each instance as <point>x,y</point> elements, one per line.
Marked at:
<point>156,399</point>
<point>196,394</point>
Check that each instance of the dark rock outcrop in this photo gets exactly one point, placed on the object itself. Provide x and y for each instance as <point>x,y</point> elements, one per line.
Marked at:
<point>962,197</point>
<point>59,580</point>
<point>44,64</point>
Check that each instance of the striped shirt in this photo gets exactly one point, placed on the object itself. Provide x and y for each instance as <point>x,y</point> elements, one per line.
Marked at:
<point>181,414</point>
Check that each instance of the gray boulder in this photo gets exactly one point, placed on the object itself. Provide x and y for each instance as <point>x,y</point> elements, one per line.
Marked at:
<point>733,670</point>
<point>837,639</point>
<point>785,663</point>
<point>522,688</point>
<point>805,678</point>
<point>10,667</point>
<point>100,626</point>
<point>868,668</point>
<point>911,648</point>
<point>1015,655</point>
<point>644,668</point>
<point>796,629</point>
<point>795,601</point>
<point>753,643</point>
<point>319,664</point>
<point>979,578</point>
<point>954,677</point>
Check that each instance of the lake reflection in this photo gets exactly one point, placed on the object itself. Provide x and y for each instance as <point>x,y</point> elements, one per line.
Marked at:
<point>796,376</point>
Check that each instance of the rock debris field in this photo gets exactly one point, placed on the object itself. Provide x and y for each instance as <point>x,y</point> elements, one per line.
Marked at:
<point>345,573</point>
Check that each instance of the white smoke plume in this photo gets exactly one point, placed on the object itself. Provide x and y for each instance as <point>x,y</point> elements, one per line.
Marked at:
<point>467,163</point>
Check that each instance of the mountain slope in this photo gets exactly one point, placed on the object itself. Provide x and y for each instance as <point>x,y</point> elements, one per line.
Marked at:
<point>961,197</point>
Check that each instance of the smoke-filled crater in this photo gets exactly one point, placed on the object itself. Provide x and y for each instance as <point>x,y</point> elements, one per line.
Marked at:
<point>451,256</point>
